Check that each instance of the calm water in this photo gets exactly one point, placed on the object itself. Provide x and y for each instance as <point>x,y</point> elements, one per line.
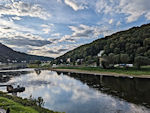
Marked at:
<point>74,93</point>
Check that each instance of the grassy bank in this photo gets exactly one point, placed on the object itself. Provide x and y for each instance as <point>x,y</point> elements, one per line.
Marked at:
<point>129,71</point>
<point>19,105</point>
<point>15,107</point>
<point>38,66</point>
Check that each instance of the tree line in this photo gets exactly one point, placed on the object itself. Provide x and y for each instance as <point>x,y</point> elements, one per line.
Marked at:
<point>130,46</point>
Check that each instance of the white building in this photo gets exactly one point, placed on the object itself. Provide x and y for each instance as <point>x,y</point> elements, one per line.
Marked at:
<point>100,53</point>
<point>68,60</point>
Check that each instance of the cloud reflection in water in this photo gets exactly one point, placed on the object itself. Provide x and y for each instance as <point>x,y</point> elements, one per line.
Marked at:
<point>63,93</point>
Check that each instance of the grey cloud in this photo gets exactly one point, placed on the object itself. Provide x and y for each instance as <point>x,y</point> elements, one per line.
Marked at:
<point>45,51</point>
<point>70,39</point>
<point>57,52</point>
<point>62,50</point>
<point>82,31</point>
<point>7,28</point>
<point>88,31</point>
<point>85,33</point>
<point>24,41</point>
<point>53,52</point>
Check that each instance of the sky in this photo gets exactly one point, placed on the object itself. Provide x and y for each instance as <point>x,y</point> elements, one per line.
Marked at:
<point>54,27</point>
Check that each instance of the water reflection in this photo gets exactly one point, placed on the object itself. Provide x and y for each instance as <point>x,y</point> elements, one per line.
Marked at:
<point>37,71</point>
<point>135,90</point>
<point>5,76</point>
<point>73,93</point>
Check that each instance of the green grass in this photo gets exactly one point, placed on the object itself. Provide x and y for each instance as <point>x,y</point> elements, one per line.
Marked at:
<point>19,105</point>
<point>129,71</point>
<point>32,66</point>
<point>15,107</point>
<point>47,66</point>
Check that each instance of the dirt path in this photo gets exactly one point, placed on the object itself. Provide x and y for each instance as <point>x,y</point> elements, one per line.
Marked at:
<point>100,73</point>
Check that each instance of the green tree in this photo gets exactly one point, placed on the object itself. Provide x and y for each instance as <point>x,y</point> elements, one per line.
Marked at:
<point>40,101</point>
<point>38,62</point>
<point>112,45</point>
<point>140,61</point>
<point>111,58</point>
<point>104,61</point>
<point>147,54</point>
<point>146,42</point>
<point>116,50</point>
<point>124,58</point>
<point>117,59</point>
<point>140,51</point>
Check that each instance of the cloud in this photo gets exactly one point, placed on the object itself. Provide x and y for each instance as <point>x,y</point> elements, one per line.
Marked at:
<point>18,35</point>
<point>20,8</point>
<point>132,9</point>
<point>80,33</point>
<point>65,38</point>
<point>135,9</point>
<point>75,5</point>
<point>56,34</point>
<point>62,50</point>
<point>53,27</point>
<point>22,41</point>
<point>83,31</point>
<point>53,50</point>
<point>21,38</point>
<point>47,28</point>
<point>59,51</point>
<point>14,34</point>
<point>87,31</point>
<point>105,6</point>
<point>7,26</point>
<point>16,18</point>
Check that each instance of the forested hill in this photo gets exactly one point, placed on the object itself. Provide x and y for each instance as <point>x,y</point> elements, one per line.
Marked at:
<point>133,42</point>
<point>8,54</point>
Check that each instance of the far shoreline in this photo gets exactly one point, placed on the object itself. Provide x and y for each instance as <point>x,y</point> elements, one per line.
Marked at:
<point>98,73</point>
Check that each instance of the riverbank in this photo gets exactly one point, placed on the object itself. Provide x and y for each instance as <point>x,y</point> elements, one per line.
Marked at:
<point>130,72</point>
<point>19,105</point>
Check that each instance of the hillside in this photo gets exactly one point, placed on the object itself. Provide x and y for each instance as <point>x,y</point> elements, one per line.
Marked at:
<point>8,53</point>
<point>133,42</point>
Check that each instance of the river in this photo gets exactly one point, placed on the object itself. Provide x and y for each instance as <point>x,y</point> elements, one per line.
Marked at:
<point>78,93</point>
